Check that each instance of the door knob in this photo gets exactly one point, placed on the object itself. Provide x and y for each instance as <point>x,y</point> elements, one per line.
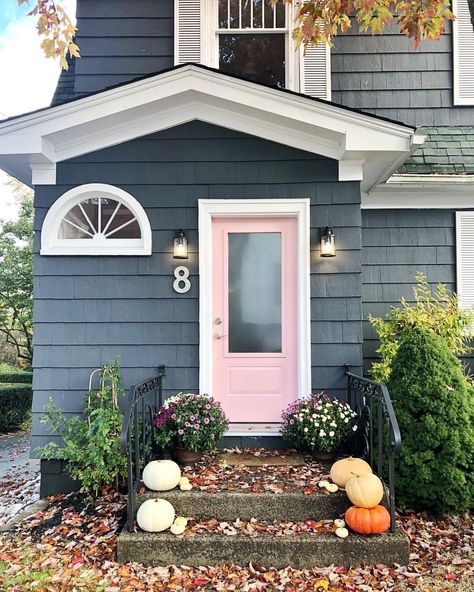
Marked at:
<point>219,336</point>
<point>218,321</point>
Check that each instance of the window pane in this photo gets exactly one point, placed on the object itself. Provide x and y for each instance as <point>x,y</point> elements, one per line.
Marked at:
<point>281,15</point>
<point>223,14</point>
<point>234,14</point>
<point>257,13</point>
<point>246,14</point>
<point>91,208</point>
<point>260,57</point>
<point>122,216</point>
<point>108,208</point>
<point>268,14</point>
<point>67,230</point>
<point>132,230</point>
<point>255,292</point>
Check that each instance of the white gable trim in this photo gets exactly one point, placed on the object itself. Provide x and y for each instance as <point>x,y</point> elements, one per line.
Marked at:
<point>192,92</point>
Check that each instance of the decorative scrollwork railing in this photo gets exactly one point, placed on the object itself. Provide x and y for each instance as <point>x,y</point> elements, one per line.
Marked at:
<point>378,438</point>
<point>137,438</point>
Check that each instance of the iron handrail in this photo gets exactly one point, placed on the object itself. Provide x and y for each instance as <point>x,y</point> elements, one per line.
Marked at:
<point>137,440</point>
<point>368,397</point>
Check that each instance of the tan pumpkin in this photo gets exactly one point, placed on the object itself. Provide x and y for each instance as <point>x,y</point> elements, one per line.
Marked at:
<point>161,475</point>
<point>155,515</point>
<point>365,491</point>
<point>368,520</point>
<point>344,469</point>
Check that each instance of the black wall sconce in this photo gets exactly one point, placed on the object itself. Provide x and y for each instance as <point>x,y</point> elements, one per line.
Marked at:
<point>180,250</point>
<point>328,242</point>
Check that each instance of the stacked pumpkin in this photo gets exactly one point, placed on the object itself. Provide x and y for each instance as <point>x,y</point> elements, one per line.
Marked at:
<point>157,514</point>
<point>365,491</point>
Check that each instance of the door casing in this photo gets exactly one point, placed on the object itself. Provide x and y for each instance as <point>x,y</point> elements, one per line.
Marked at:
<point>212,208</point>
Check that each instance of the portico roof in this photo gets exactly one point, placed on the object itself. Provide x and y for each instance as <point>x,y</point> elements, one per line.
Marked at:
<point>368,148</point>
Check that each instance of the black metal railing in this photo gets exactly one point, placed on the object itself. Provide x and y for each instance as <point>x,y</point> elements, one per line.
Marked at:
<point>378,438</point>
<point>137,438</point>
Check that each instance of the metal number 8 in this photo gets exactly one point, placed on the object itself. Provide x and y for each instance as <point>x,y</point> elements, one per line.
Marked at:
<point>181,284</point>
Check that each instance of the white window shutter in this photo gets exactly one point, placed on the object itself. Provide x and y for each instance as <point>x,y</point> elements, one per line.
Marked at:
<point>465,259</point>
<point>187,31</point>
<point>316,72</point>
<point>463,54</point>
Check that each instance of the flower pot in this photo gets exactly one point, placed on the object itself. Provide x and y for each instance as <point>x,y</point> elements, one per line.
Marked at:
<point>323,456</point>
<point>188,457</point>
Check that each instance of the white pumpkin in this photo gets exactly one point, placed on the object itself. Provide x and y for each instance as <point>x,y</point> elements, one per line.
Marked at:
<point>346,468</point>
<point>161,475</point>
<point>342,532</point>
<point>155,515</point>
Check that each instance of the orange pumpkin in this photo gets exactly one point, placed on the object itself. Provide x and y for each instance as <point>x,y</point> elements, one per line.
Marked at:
<point>368,520</point>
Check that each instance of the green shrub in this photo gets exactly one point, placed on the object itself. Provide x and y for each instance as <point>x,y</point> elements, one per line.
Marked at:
<point>91,444</point>
<point>434,405</point>
<point>16,376</point>
<point>437,311</point>
<point>15,405</point>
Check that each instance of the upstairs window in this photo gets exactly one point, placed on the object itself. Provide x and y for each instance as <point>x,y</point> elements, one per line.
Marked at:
<point>463,54</point>
<point>253,40</point>
<point>96,219</point>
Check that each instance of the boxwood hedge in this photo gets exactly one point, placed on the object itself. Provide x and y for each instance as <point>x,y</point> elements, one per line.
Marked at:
<point>15,404</point>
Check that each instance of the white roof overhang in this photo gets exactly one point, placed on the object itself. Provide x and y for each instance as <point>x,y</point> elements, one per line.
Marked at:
<point>369,149</point>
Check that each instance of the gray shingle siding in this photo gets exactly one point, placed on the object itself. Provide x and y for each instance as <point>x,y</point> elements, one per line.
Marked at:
<point>88,310</point>
<point>120,40</point>
<point>396,245</point>
<point>384,75</point>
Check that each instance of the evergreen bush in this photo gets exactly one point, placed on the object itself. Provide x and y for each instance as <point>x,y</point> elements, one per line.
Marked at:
<point>434,405</point>
<point>15,405</point>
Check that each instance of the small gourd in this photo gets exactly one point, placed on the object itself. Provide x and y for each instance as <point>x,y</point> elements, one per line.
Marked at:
<point>365,491</point>
<point>346,468</point>
<point>181,520</point>
<point>331,487</point>
<point>155,515</point>
<point>178,528</point>
<point>161,475</point>
<point>184,484</point>
<point>339,523</point>
<point>368,520</point>
<point>342,532</point>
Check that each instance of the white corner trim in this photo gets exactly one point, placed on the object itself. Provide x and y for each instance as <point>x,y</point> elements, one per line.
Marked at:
<point>351,170</point>
<point>52,245</point>
<point>43,174</point>
<point>210,208</point>
<point>422,192</point>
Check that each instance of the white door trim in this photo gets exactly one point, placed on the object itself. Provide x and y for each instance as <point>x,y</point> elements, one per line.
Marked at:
<point>213,208</point>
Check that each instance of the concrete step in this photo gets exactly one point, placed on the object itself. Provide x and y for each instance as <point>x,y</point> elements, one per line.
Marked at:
<point>298,550</point>
<point>266,506</point>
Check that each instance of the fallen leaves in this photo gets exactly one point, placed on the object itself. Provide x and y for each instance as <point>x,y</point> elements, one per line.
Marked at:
<point>71,546</point>
<point>214,476</point>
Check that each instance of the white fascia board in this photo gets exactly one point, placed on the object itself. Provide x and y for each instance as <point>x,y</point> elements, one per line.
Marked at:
<point>422,192</point>
<point>175,97</point>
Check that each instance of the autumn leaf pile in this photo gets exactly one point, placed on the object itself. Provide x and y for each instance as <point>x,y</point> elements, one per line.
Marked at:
<point>213,476</point>
<point>72,547</point>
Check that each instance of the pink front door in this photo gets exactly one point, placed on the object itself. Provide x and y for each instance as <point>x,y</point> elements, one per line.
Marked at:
<point>254,316</point>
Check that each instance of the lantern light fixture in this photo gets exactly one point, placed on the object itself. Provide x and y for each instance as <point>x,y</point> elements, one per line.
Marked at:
<point>180,250</point>
<point>328,242</point>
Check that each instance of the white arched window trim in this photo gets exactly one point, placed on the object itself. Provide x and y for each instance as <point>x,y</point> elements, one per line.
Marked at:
<point>99,245</point>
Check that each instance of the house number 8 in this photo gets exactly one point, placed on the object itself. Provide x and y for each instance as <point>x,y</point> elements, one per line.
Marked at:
<point>181,284</point>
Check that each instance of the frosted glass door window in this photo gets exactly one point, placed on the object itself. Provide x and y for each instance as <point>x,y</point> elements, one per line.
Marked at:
<point>255,292</point>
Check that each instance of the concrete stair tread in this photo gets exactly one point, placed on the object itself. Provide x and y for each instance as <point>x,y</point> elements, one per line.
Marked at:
<point>230,505</point>
<point>300,550</point>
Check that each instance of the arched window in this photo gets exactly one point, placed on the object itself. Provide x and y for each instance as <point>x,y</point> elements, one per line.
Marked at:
<point>96,219</point>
